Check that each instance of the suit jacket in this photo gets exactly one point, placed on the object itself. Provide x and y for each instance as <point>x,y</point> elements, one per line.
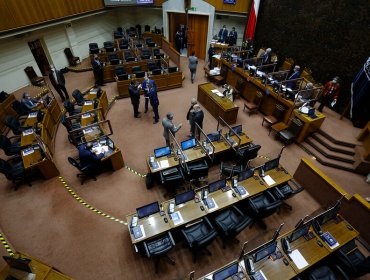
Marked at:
<point>134,95</point>
<point>89,159</point>
<point>97,66</point>
<point>233,36</point>
<point>144,86</point>
<point>222,34</point>
<point>153,97</point>
<point>167,127</point>
<point>60,78</point>
<point>292,85</point>
<point>193,62</point>
<point>198,118</point>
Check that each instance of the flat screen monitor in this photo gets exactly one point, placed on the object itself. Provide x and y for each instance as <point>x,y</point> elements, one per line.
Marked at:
<point>131,58</point>
<point>156,71</point>
<point>328,215</point>
<point>237,128</point>
<point>214,136</point>
<point>139,74</point>
<point>172,69</point>
<point>244,175</point>
<point>271,164</point>
<point>184,197</point>
<point>18,263</point>
<point>215,186</point>
<point>151,44</point>
<point>161,152</point>
<point>300,231</point>
<point>226,272</point>
<point>188,144</point>
<point>147,210</point>
<point>123,77</point>
<point>265,251</point>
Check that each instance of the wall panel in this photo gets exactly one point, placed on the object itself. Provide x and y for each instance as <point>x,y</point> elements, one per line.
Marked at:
<point>25,12</point>
<point>6,18</point>
<point>241,6</point>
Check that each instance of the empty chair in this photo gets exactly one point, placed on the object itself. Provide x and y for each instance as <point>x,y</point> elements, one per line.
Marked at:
<point>152,66</point>
<point>31,74</point>
<point>263,205</point>
<point>10,145</point>
<point>291,132</point>
<point>156,51</point>
<point>117,35</point>
<point>158,247</point>
<point>70,108</point>
<point>247,153</point>
<point>136,69</point>
<point>231,222</point>
<point>75,139</point>
<point>229,170</point>
<point>253,106</point>
<point>123,46</point>
<point>199,235</point>
<point>20,108</point>
<point>322,273</point>
<point>14,171</point>
<point>108,46</point>
<point>86,172</point>
<point>148,40</point>
<point>127,54</point>
<point>284,192</point>
<point>275,117</point>
<point>120,72</point>
<point>93,48</point>
<point>72,60</point>
<point>172,178</point>
<point>79,97</point>
<point>113,59</point>
<point>196,170</point>
<point>14,125</point>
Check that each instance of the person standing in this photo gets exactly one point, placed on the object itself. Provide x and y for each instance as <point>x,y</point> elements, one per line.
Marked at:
<point>222,34</point>
<point>211,53</point>
<point>330,93</point>
<point>233,37</point>
<point>97,66</point>
<point>145,86</point>
<point>193,63</point>
<point>135,97</point>
<point>57,80</point>
<point>190,116</point>
<point>178,41</point>
<point>198,117</point>
<point>168,126</point>
<point>154,101</point>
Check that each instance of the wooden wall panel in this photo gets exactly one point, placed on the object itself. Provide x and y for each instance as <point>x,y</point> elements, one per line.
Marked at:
<point>25,12</point>
<point>197,35</point>
<point>6,18</point>
<point>241,6</point>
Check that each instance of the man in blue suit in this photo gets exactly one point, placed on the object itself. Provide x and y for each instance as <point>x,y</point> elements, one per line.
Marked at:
<point>222,34</point>
<point>154,101</point>
<point>89,159</point>
<point>145,86</point>
<point>295,75</point>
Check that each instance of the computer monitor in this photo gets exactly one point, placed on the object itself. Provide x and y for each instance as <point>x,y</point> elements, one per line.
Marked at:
<point>184,197</point>
<point>328,215</point>
<point>147,210</point>
<point>131,58</point>
<point>151,44</point>
<point>214,136</point>
<point>22,264</point>
<point>300,231</point>
<point>156,71</point>
<point>139,74</point>
<point>265,251</point>
<point>244,175</point>
<point>161,152</point>
<point>237,128</point>
<point>123,77</point>
<point>188,144</point>
<point>172,69</point>
<point>226,272</point>
<point>271,164</point>
<point>216,185</point>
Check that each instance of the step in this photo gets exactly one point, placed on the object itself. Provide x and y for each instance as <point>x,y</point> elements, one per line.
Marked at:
<point>335,141</point>
<point>332,146</point>
<point>327,153</point>
<point>325,161</point>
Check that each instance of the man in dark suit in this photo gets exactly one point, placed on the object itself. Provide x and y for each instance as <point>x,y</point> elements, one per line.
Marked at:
<point>97,66</point>
<point>197,117</point>
<point>89,159</point>
<point>29,102</point>
<point>293,76</point>
<point>222,34</point>
<point>211,53</point>
<point>266,56</point>
<point>57,80</point>
<point>154,101</point>
<point>145,86</point>
<point>233,36</point>
<point>135,97</point>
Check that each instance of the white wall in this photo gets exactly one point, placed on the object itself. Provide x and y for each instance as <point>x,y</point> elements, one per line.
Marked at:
<point>131,16</point>
<point>231,21</point>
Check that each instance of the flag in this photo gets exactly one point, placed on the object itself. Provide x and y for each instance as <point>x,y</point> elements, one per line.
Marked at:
<point>252,20</point>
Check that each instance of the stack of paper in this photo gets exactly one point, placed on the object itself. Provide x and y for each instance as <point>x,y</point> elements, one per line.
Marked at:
<point>269,180</point>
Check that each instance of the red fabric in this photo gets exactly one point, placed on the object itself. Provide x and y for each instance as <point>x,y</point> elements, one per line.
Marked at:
<point>251,25</point>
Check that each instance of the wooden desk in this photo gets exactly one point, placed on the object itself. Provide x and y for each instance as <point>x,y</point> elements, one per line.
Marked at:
<point>42,270</point>
<point>222,199</point>
<point>28,139</point>
<point>153,225</point>
<point>309,125</point>
<point>252,186</point>
<point>275,269</point>
<point>216,105</point>
<point>172,162</point>
<point>190,211</point>
<point>240,269</point>
<point>279,177</point>
<point>36,160</point>
<point>194,154</point>
<point>31,119</point>
<point>6,109</point>
<point>116,159</point>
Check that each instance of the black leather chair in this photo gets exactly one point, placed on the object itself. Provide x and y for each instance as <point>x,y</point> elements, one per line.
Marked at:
<point>86,173</point>
<point>120,73</point>
<point>324,272</point>
<point>10,148</point>
<point>290,133</point>
<point>14,171</point>
<point>127,54</point>
<point>152,66</point>
<point>113,59</point>
<point>70,108</point>
<point>199,235</point>
<point>156,51</point>
<point>263,205</point>
<point>14,125</point>
<point>285,191</point>
<point>196,170</point>
<point>231,222</point>
<point>228,170</point>
<point>245,154</point>
<point>93,48</point>
<point>108,46</point>
<point>171,179</point>
<point>73,60</point>
<point>75,139</point>
<point>79,97</point>
<point>123,46</point>
<point>117,34</point>
<point>20,108</point>
<point>158,247</point>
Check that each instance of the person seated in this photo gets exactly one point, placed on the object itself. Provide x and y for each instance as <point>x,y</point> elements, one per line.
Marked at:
<point>304,95</point>
<point>295,75</point>
<point>29,102</point>
<point>228,91</point>
<point>89,159</point>
<point>266,56</point>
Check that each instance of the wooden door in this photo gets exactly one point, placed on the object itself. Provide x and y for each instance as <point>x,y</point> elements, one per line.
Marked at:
<point>40,56</point>
<point>175,20</point>
<point>197,35</point>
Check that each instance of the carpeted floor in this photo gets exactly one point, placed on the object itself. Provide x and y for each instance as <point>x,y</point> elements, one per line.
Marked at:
<point>46,221</point>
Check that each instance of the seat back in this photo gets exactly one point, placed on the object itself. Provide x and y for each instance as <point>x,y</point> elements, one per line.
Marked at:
<point>197,169</point>
<point>20,108</point>
<point>30,72</point>
<point>120,71</point>
<point>65,122</point>
<point>321,272</point>
<point>251,152</point>
<point>69,106</point>
<point>4,143</point>
<point>12,123</point>
<point>74,162</point>
<point>278,111</point>
<point>159,245</point>
<point>77,95</point>
<point>295,126</point>
<point>93,46</point>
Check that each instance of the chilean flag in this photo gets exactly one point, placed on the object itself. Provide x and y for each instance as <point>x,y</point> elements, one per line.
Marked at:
<point>252,20</point>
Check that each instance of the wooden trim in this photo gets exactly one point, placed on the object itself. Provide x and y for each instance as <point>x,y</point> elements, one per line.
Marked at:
<point>171,52</point>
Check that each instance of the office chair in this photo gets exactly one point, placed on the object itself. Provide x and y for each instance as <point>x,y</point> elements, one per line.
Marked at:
<point>247,153</point>
<point>3,96</point>
<point>285,191</point>
<point>123,46</point>
<point>86,173</point>
<point>113,59</point>
<point>196,170</point>
<point>10,148</point>
<point>228,170</point>
<point>253,105</point>
<point>136,69</point>
<point>93,48</point>
<point>275,117</point>
<point>152,66</point>
<point>20,108</point>
<point>14,125</point>
<point>35,80</point>
<point>108,46</point>
<point>120,72</point>
<point>290,133</point>
<point>230,223</point>
<point>352,261</point>
<point>156,51</point>
<point>70,108</point>
<point>117,35</point>
<point>158,247</point>
<point>325,273</point>
<point>199,235</point>
<point>75,139</point>
<point>79,97</point>
<point>72,60</point>
<point>171,179</point>
<point>262,206</point>
<point>14,171</point>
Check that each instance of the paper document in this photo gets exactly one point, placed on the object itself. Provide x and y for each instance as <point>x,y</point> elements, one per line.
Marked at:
<point>84,116</point>
<point>215,90</point>
<point>177,218</point>
<point>218,93</point>
<point>88,102</point>
<point>269,180</point>
<point>88,130</point>
<point>27,132</point>
<point>27,152</point>
<point>164,163</point>
<point>32,115</point>
<point>298,259</point>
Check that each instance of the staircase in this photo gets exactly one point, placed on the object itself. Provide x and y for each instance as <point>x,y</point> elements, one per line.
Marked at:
<point>331,152</point>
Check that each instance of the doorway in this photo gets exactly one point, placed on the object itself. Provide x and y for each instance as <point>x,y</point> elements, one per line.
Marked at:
<point>40,56</point>
<point>178,32</point>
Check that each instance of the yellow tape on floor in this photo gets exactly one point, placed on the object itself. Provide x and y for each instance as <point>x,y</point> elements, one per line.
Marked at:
<point>5,244</point>
<point>135,172</point>
<point>87,205</point>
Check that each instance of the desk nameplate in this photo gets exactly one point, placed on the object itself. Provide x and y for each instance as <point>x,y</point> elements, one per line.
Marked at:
<point>190,211</point>
<point>274,269</point>
<point>32,159</point>
<point>279,177</point>
<point>252,186</point>
<point>222,199</point>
